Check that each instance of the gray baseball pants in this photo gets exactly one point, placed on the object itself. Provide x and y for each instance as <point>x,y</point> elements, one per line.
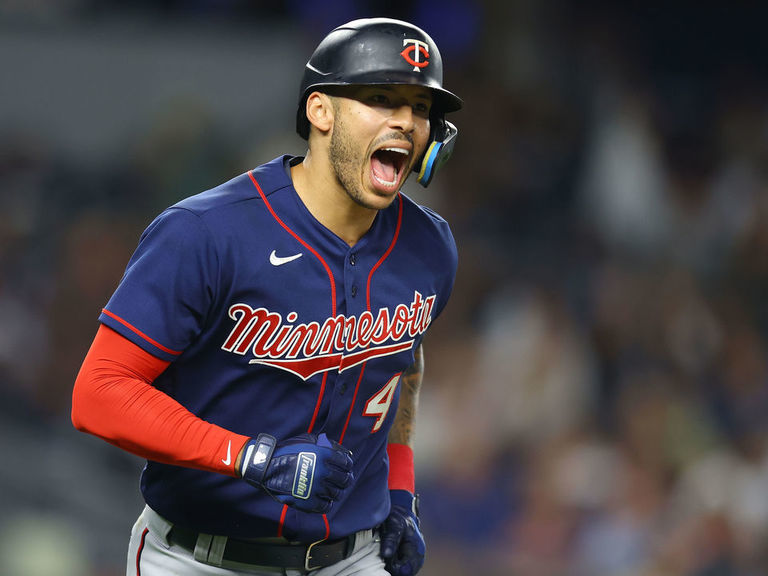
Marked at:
<point>150,554</point>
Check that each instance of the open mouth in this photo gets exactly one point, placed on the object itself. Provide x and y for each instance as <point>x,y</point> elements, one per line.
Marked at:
<point>388,165</point>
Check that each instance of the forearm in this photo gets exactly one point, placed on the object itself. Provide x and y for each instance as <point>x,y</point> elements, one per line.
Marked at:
<point>402,545</point>
<point>403,427</point>
<point>401,435</point>
<point>114,399</point>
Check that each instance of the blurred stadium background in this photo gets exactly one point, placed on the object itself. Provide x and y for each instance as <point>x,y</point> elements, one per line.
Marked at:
<point>597,390</point>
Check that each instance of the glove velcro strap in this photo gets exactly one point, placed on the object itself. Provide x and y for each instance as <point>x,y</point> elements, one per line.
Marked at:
<point>258,453</point>
<point>405,500</point>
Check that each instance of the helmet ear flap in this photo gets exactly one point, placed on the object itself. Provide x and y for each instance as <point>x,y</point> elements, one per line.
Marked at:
<point>439,149</point>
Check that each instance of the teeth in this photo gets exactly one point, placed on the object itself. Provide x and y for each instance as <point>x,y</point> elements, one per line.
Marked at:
<point>385,182</point>
<point>398,150</point>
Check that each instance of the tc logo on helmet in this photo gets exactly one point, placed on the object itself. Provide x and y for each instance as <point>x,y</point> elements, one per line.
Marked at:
<point>416,53</point>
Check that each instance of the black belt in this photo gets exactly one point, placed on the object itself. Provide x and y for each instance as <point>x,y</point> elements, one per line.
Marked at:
<point>274,554</point>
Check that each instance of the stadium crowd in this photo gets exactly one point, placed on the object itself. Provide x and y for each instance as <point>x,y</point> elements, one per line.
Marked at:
<point>596,393</point>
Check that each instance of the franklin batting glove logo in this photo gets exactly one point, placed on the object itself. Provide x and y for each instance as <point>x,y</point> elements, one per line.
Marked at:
<point>305,472</point>
<point>416,53</point>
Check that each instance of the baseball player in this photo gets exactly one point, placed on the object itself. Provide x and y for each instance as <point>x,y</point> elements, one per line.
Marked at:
<point>263,350</point>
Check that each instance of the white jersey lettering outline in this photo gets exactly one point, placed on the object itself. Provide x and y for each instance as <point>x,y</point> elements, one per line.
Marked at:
<point>340,343</point>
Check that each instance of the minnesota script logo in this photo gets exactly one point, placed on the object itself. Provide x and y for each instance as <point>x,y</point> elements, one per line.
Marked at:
<point>339,343</point>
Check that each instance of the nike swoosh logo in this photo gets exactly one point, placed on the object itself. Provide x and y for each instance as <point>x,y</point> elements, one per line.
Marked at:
<point>276,260</point>
<point>228,460</point>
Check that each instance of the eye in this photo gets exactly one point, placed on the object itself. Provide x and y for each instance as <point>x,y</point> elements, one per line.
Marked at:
<point>379,99</point>
<point>421,108</point>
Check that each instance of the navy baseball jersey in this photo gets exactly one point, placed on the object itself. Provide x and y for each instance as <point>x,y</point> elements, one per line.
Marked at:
<point>274,324</point>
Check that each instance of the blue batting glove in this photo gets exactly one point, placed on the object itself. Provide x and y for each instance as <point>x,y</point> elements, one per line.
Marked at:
<point>308,472</point>
<point>402,545</point>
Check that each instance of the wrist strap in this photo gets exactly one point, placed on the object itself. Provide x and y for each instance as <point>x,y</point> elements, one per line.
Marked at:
<point>257,455</point>
<point>401,472</point>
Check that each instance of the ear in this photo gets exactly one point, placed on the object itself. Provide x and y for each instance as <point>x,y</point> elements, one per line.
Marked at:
<point>320,112</point>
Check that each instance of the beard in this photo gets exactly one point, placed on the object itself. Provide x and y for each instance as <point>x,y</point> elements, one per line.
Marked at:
<point>348,160</point>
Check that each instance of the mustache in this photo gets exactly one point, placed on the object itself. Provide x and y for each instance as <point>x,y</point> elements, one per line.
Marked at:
<point>394,135</point>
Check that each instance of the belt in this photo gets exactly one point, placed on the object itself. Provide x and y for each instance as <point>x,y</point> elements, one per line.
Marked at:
<point>292,556</point>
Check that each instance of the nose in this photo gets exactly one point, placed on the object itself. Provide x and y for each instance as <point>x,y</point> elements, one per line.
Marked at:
<point>402,118</point>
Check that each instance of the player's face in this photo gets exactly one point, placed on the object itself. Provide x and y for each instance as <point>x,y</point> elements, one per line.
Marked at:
<point>379,133</point>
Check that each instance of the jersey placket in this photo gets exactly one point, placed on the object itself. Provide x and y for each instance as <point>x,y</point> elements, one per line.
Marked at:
<point>360,265</point>
<point>346,382</point>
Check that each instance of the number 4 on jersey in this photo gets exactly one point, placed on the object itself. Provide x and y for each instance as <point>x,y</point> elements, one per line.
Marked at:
<point>378,404</point>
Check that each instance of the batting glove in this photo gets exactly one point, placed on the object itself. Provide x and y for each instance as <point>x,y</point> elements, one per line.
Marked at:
<point>308,472</point>
<point>402,545</point>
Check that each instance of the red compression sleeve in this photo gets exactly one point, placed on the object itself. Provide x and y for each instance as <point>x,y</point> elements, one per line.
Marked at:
<point>114,399</point>
<point>401,472</point>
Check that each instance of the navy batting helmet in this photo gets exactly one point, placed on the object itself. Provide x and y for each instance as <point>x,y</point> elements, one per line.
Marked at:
<point>373,51</point>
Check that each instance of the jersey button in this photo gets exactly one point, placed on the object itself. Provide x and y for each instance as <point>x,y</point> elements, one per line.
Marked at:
<point>352,259</point>
<point>354,291</point>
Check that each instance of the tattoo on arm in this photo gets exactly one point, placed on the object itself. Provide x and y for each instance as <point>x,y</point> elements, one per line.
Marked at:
<point>410,384</point>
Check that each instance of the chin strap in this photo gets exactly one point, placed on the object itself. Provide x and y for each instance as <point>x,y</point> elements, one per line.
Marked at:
<point>438,151</point>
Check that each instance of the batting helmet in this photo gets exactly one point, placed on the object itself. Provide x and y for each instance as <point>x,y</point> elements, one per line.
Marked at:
<point>373,51</point>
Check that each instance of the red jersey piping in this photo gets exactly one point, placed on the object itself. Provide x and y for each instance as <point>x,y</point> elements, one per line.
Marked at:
<point>333,313</point>
<point>300,240</point>
<point>368,303</point>
<point>139,332</point>
<point>386,254</point>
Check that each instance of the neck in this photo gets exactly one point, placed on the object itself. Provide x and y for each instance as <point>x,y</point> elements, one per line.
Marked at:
<point>328,202</point>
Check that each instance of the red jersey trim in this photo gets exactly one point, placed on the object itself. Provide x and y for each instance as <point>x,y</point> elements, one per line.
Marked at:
<point>320,394</point>
<point>327,270</point>
<point>282,521</point>
<point>300,240</point>
<point>352,404</point>
<point>368,304</point>
<point>140,333</point>
<point>387,253</point>
<point>327,526</point>
<point>317,405</point>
